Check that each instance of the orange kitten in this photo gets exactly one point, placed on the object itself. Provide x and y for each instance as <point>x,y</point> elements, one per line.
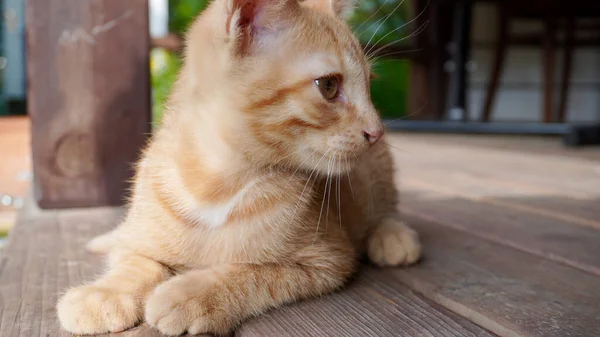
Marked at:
<point>264,185</point>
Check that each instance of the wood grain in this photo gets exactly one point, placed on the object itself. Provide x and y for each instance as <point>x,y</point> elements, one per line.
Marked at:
<point>375,304</point>
<point>550,238</point>
<point>88,98</point>
<point>45,256</point>
<point>509,292</point>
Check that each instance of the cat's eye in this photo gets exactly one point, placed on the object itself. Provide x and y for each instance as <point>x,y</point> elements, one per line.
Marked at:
<point>328,86</point>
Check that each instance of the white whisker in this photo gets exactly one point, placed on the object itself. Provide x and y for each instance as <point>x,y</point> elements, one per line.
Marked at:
<point>322,204</point>
<point>377,58</point>
<point>329,190</point>
<point>402,26</point>
<point>381,24</point>
<point>410,114</point>
<point>349,183</point>
<point>299,166</point>
<point>339,194</point>
<point>305,186</point>
<point>418,31</point>
<point>370,17</point>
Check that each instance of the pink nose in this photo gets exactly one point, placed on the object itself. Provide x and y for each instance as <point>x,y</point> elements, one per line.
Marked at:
<point>373,135</point>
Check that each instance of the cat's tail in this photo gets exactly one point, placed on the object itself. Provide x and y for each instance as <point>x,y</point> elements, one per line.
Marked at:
<point>102,244</point>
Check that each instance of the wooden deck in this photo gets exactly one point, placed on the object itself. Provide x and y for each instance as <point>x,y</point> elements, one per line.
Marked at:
<point>510,226</point>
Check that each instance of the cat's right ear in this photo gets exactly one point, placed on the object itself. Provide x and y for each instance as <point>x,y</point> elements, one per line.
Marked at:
<point>252,24</point>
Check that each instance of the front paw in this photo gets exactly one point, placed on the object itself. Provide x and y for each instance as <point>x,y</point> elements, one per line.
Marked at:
<point>93,310</point>
<point>183,304</point>
<point>393,244</point>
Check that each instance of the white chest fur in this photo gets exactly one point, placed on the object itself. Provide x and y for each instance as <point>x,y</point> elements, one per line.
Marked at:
<point>215,215</point>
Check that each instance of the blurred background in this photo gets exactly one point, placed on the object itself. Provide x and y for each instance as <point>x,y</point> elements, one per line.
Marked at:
<point>510,67</point>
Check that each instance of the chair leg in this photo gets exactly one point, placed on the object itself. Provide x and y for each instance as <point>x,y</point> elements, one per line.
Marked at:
<point>566,69</point>
<point>549,56</point>
<point>499,59</point>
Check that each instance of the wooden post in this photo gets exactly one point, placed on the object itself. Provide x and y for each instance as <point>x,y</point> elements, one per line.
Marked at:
<point>88,98</point>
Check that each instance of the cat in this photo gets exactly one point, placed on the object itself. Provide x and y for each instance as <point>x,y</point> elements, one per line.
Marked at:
<point>265,184</point>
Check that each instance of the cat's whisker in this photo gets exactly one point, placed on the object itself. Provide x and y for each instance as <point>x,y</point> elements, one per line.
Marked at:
<point>418,31</point>
<point>400,27</point>
<point>409,115</point>
<point>369,18</point>
<point>383,22</point>
<point>376,60</point>
<point>322,204</point>
<point>305,186</point>
<point>369,199</point>
<point>330,174</point>
<point>339,194</point>
<point>349,183</point>
<point>299,166</point>
<point>397,148</point>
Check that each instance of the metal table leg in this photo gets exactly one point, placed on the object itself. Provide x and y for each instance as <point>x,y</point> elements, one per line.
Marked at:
<point>462,46</point>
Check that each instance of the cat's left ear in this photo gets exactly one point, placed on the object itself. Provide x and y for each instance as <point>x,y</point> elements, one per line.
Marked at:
<point>339,8</point>
<point>254,23</point>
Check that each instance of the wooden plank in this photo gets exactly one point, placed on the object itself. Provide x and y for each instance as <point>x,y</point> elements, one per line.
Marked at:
<point>509,292</point>
<point>507,172</point>
<point>45,256</point>
<point>519,168</point>
<point>566,206</point>
<point>562,242</point>
<point>88,97</point>
<point>375,304</point>
<point>538,146</point>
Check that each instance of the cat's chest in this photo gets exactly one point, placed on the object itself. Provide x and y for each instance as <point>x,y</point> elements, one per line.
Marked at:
<point>230,243</point>
<point>214,215</point>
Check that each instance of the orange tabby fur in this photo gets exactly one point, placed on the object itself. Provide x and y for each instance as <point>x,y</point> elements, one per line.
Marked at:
<point>256,191</point>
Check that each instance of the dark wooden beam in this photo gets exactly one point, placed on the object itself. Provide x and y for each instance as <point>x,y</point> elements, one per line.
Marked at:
<point>171,42</point>
<point>89,98</point>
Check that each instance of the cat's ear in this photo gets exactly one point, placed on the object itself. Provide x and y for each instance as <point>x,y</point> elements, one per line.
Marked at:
<point>253,23</point>
<point>339,8</point>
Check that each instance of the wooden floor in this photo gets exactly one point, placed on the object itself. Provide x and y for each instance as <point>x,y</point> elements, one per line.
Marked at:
<point>510,226</point>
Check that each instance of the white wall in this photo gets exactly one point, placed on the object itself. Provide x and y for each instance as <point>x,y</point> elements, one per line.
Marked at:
<point>519,96</point>
<point>159,18</point>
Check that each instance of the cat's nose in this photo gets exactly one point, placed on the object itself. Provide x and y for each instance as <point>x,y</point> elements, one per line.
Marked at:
<point>372,135</point>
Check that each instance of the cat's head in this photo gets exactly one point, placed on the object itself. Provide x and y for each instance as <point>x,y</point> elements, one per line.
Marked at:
<point>293,77</point>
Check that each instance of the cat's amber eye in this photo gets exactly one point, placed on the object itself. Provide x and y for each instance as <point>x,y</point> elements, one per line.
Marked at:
<point>328,86</point>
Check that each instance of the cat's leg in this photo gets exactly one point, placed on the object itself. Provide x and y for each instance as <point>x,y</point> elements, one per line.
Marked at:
<point>390,241</point>
<point>216,300</point>
<point>114,302</point>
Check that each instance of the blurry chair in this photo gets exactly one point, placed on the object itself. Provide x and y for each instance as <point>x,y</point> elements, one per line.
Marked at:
<point>558,16</point>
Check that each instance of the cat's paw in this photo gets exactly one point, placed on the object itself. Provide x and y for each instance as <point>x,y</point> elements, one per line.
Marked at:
<point>184,304</point>
<point>93,310</point>
<point>393,243</point>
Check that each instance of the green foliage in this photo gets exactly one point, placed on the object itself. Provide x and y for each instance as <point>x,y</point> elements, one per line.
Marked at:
<point>389,91</point>
<point>165,67</point>
<point>381,21</point>
<point>183,12</point>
